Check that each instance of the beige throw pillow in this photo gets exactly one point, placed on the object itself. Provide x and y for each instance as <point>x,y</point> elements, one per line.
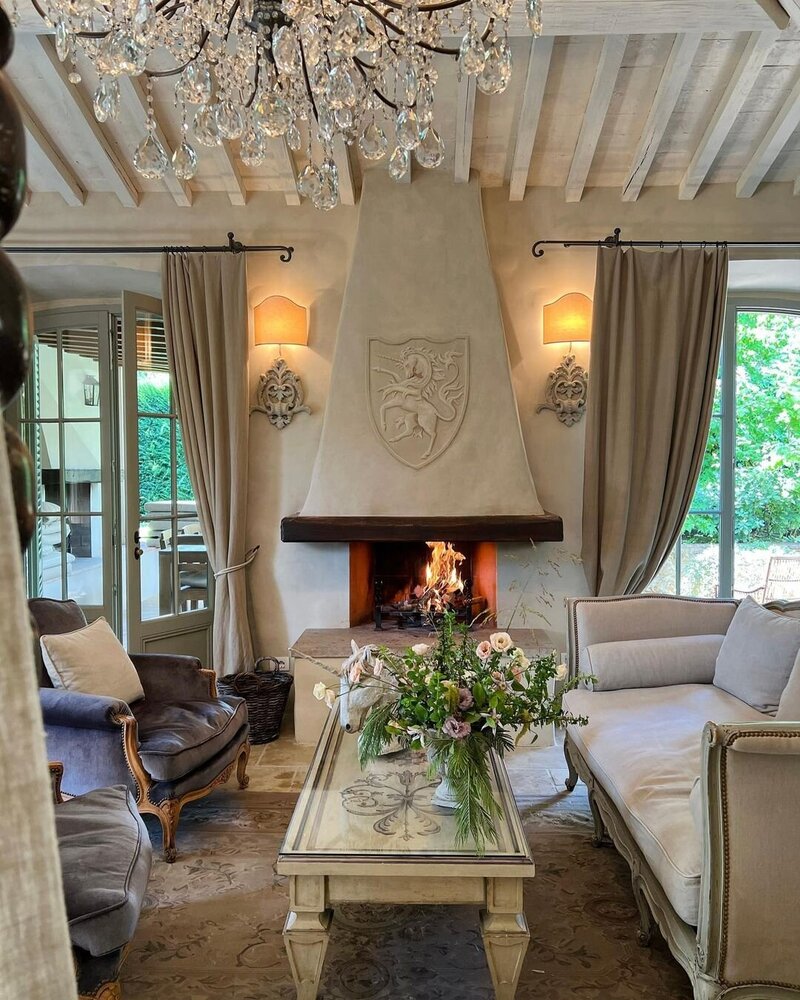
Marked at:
<point>91,660</point>
<point>757,655</point>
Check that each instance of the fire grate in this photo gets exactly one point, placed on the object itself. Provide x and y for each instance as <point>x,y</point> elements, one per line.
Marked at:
<point>414,613</point>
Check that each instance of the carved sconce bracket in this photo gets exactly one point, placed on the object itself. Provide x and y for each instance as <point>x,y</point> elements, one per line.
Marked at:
<point>565,392</point>
<point>280,395</point>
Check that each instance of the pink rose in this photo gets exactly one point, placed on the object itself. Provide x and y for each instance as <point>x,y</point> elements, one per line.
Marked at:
<point>355,673</point>
<point>484,650</point>
<point>456,729</point>
<point>465,699</point>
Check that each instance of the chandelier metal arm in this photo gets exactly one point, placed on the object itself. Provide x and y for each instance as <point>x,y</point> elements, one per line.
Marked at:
<point>362,67</point>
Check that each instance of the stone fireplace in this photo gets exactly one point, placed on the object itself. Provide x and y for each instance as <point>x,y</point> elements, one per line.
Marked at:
<point>421,440</point>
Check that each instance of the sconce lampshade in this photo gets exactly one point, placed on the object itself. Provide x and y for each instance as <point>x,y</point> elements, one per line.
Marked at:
<point>278,320</point>
<point>568,319</point>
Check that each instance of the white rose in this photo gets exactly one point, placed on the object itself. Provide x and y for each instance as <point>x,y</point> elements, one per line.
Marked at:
<point>330,697</point>
<point>420,649</point>
<point>501,642</point>
<point>561,672</point>
<point>319,690</point>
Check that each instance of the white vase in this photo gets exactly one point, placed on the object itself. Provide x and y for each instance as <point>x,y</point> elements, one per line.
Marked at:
<point>444,796</point>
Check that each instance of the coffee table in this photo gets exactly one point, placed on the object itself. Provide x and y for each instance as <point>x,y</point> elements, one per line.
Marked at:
<point>373,836</point>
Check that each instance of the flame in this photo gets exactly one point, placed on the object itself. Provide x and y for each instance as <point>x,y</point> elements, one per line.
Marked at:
<point>442,578</point>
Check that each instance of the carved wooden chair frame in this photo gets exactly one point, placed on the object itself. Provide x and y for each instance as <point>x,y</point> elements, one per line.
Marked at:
<point>168,810</point>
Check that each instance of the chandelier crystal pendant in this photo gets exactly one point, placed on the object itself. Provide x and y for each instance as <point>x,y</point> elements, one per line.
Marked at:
<point>312,71</point>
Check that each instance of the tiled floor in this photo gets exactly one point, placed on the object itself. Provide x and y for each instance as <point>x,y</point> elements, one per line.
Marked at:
<point>281,767</point>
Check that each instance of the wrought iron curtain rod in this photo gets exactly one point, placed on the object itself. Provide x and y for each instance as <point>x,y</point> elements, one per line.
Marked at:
<point>614,241</point>
<point>232,246</point>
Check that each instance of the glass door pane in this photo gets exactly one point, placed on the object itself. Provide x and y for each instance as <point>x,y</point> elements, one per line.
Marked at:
<point>169,580</point>
<point>767,455</point>
<point>66,421</point>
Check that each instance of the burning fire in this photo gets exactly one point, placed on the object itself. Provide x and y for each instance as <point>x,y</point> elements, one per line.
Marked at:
<point>442,578</point>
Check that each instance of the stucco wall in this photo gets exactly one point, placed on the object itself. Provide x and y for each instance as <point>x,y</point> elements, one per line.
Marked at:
<point>297,586</point>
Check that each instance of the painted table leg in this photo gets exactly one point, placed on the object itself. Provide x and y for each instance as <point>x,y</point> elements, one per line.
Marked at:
<point>505,935</point>
<point>305,933</point>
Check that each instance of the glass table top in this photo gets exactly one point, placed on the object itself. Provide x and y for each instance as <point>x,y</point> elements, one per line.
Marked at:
<point>385,811</point>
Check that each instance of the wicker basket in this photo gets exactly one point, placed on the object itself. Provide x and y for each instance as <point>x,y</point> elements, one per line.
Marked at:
<point>266,693</point>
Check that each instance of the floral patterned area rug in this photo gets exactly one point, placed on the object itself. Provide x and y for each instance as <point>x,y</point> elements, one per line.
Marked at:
<point>213,920</point>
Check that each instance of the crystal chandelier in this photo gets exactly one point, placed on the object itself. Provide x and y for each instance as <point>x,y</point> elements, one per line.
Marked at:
<point>311,70</point>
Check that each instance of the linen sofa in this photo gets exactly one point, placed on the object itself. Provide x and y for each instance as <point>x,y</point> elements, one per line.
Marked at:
<point>698,790</point>
<point>172,746</point>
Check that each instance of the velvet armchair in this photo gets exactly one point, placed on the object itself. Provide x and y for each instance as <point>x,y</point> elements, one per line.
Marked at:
<point>173,746</point>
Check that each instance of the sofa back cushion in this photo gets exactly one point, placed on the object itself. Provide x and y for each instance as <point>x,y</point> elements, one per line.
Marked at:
<point>757,655</point>
<point>637,663</point>
<point>643,616</point>
<point>52,618</point>
<point>91,660</point>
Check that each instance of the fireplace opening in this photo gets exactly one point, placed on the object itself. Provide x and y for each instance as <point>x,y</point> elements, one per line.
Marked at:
<point>406,584</point>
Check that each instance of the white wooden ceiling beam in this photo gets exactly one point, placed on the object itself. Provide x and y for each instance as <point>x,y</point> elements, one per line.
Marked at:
<point>231,176</point>
<point>779,11</point>
<point>528,124</point>
<point>605,79</point>
<point>778,134</point>
<point>465,120</point>
<point>180,190</point>
<point>119,174</point>
<point>758,47</point>
<point>286,173</point>
<point>341,156</point>
<point>68,184</point>
<point>606,17</point>
<point>653,17</point>
<point>680,60</point>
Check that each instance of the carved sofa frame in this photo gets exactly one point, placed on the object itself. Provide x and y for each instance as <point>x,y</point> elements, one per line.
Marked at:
<point>722,955</point>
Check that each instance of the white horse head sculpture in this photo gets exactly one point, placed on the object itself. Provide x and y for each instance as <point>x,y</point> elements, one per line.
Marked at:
<point>356,700</point>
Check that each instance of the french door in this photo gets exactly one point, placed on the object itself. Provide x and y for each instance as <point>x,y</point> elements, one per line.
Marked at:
<point>116,522</point>
<point>66,418</point>
<point>169,581</point>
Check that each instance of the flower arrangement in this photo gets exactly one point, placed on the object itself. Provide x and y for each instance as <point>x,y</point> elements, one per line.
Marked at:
<point>459,700</point>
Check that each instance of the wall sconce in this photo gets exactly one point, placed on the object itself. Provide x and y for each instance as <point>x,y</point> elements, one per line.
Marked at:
<point>91,391</point>
<point>568,320</point>
<point>280,321</point>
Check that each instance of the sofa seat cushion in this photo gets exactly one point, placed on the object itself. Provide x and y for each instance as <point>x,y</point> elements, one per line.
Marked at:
<point>105,864</point>
<point>177,737</point>
<point>644,748</point>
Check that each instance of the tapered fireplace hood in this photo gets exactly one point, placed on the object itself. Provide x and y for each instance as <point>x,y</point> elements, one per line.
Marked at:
<point>421,438</point>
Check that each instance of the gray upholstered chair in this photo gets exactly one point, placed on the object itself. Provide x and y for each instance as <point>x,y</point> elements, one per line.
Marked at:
<point>105,856</point>
<point>172,746</point>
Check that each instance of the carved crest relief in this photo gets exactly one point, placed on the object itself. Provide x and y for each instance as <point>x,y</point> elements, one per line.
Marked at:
<point>417,392</point>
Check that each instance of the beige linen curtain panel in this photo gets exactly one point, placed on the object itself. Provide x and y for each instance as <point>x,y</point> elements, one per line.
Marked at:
<point>656,336</point>
<point>205,319</point>
<point>35,953</point>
